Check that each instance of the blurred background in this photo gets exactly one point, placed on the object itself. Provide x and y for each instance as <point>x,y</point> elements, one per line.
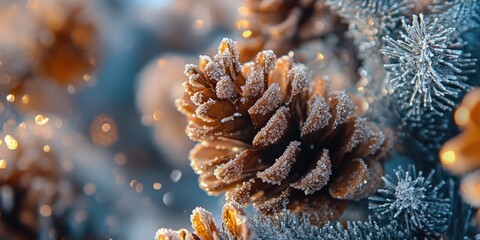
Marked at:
<point>90,87</point>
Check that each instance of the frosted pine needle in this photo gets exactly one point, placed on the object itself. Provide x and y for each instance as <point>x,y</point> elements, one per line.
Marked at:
<point>463,15</point>
<point>412,201</point>
<point>427,68</point>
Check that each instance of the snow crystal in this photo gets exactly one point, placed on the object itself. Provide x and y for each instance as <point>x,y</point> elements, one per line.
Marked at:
<point>254,85</point>
<point>225,88</point>
<point>197,98</point>
<point>267,60</point>
<point>241,194</point>
<point>230,118</point>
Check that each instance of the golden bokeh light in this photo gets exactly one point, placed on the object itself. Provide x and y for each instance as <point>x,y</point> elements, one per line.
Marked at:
<point>247,33</point>
<point>25,99</point>
<point>3,163</point>
<point>243,24</point>
<point>103,130</point>
<point>448,157</point>
<point>41,120</point>
<point>46,148</point>
<point>157,115</point>
<point>10,97</point>
<point>11,142</point>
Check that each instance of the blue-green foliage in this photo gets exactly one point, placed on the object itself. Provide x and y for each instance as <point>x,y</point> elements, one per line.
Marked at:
<point>414,202</point>
<point>463,15</point>
<point>286,225</point>
<point>427,67</point>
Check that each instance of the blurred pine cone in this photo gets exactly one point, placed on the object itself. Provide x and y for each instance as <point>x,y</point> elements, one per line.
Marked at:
<point>34,194</point>
<point>62,50</point>
<point>234,221</point>
<point>268,134</point>
<point>283,25</point>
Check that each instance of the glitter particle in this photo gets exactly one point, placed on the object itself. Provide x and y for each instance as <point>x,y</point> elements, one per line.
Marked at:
<point>247,33</point>
<point>10,97</point>
<point>448,157</point>
<point>25,99</point>
<point>133,183</point>
<point>3,163</point>
<point>41,120</point>
<point>11,142</point>
<point>46,148</point>
<point>156,115</point>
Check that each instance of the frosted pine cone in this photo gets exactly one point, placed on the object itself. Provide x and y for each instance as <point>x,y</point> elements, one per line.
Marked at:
<point>268,134</point>
<point>283,25</point>
<point>35,195</point>
<point>58,51</point>
<point>234,221</point>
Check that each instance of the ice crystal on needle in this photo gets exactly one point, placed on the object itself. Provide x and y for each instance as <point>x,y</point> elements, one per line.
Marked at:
<point>427,68</point>
<point>413,201</point>
<point>286,138</point>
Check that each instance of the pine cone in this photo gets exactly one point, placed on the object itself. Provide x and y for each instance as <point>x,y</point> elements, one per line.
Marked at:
<point>234,219</point>
<point>74,43</point>
<point>34,194</point>
<point>268,134</point>
<point>62,50</point>
<point>283,25</point>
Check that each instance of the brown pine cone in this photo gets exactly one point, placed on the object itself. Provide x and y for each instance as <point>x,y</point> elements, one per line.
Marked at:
<point>62,50</point>
<point>234,220</point>
<point>34,194</point>
<point>267,133</point>
<point>282,25</point>
<point>72,52</point>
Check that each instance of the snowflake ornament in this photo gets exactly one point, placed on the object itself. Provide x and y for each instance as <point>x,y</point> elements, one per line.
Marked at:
<point>427,69</point>
<point>413,202</point>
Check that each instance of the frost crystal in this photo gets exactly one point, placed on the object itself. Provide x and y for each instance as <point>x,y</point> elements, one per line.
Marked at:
<point>286,225</point>
<point>463,15</point>
<point>427,68</point>
<point>413,202</point>
<point>369,21</point>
